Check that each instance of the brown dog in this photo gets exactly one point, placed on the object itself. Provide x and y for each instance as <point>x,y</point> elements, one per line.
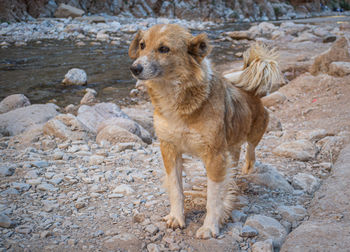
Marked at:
<point>199,113</point>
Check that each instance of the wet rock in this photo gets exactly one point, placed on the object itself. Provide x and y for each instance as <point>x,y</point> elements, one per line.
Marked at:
<point>248,231</point>
<point>5,221</point>
<point>273,99</point>
<point>65,11</point>
<point>268,228</point>
<point>89,97</point>
<point>306,182</point>
<point>92,116</point>
<point>292,213</point>
<point>6,170</point>
<point>268,176</point>
<point>263,246</point>
<point>13,102</point>
<point>19,120</point>
<point>302,150</point>
<point>125,189</point>
<point>113,134</point>
<point>340,51</point>
<point>339,68</point>
<point>129,125</point>
<point>75,76</point>
<point>66,127</point>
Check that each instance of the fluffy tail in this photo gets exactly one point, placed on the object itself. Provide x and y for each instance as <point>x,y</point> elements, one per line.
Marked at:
<point>260,70</point>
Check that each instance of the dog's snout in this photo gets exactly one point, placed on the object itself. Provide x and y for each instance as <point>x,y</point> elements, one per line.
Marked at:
<point>136,69</point>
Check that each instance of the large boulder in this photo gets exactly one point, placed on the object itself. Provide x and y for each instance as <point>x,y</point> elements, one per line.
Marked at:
<point>19,120</point>
<point>12,102</point>
<point>65,11</point>
<point>92,116</point>
<point>75,76</point>
<point>340,51</point>
<point>66,127</point>
<point>113,134</point>
<point>339,68</point>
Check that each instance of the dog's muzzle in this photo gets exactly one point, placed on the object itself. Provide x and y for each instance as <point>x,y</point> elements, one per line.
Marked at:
<point>136,69</point>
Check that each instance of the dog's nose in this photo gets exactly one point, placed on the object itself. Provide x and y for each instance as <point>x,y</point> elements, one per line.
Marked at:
<point>136,70</point>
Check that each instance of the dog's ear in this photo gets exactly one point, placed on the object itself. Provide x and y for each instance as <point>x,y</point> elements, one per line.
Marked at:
<point>134,46</point>
<point>199,47</point>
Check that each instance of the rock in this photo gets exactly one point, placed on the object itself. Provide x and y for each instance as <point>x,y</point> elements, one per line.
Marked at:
<point>114,134</point>
<point>13,102</point>
<point>19,120</point>
<point>46,187</point>
<point>125,189</point>
<point>268,228</point>
<point>66,127</point>
<point>302,150</point>
<point>75,76</point>
<point>340,51</point>
<point>143,117</point>
<point>89,97</point>
<point>20,186</point>
<point>313,135</point>
<point>125,241</point>
<point>292,213</point>
<point>274,123</point>
<point>306,182</point>
<point>92,116</point>
<point>96,160</point>
<point>292,28</point>
<point>273,99</point>
<point>152,247</point>
<point>24,229</point>
<point>6,170</point>
<point>152,229</point>
<point>248,231</point>
<point>102,36</point>
<point>306,36</point>
<point>339,68</point>
<point>329,39</point>
<point>5,221</point>
<point>45,234</point>
<point>65,11</point>
<point>240,35</point>
<point>238,216</point>
<point>268,176</point>
<point>79,205</point>
<point>129,125</point>
<point>263,246</point>
<point>40,164</point>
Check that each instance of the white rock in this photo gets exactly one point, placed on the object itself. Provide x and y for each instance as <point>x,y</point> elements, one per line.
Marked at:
<point>292,213</point>
<point>263,246</point>
<point>65,11</point>
<point>96,160</point>
<point>6,170</point>
<point>313,135</point>
<point>302,150</point>
<point>75,76</point>
<point>307,182</point>
<point>339,68</point>
<point>13,102</point>
<point>125,189</point>
<point>46,187</point>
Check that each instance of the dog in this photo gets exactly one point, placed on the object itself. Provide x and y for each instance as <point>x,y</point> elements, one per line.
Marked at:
<point>202,114</point>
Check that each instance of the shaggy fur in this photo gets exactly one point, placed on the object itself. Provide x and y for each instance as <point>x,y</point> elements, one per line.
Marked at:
<point>198,112</point>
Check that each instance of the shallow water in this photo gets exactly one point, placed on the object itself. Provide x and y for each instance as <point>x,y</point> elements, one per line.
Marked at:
<point>37,70</point>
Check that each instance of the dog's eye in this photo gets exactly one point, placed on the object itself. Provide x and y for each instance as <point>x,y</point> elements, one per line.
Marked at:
<point>142,45</point>
<point>163,49</point>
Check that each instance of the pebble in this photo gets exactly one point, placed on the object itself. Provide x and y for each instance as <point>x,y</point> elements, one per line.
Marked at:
<point>306,182</point>
<point>96,160</point>
<point>7,170</point>
<point>263,246</point>
<point>152,229</point>
<point>5,221</point>
<point>238,216</point>
<point>248,231</point>
<point>115,195</point>
<point>45,234</point>
<point>46,187</point>
<point>152,247</point>
<point>20,186</point>
<point>40,164</point>
<point>125,189</point>
<point>23,229</point>
<point>292,213</point>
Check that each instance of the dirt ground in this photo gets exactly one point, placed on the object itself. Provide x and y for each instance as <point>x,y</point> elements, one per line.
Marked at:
<point>80,206</point>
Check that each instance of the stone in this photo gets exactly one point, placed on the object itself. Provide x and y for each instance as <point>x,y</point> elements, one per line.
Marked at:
<point>7,170</point>
<point>89,97</point>
<point>273,99</point>
<point>306,182</point>
<point>268,176</point>
<point>274,123</point>
<point>268,228</point>
<point>339,51</point>
<point>129,125</point>
<point>125,189</point>
<point>339,68</point>
<point>46,187</point>
<point>96,160</point>
<point>20,186</point>
<point>302,150</point>
<point>20,120</point>
<point>238,216</point>
<point>152,229</point>
<point>248,231</point>
<point>313,135</point>
<point>124,241</point>
<point>306,36</point>
<point>114,134</point>
<point>292,213</point>
<point>45,234</point>
<point>92,116</point>
<point>143,117</point>
<point>102,36</point>
<point>65,11</point>
<point>24,229</point>
<point>240,35</point>
<point>263,246</point>
<point>152,247</point>
<point>66,127</point>
<point>75,76</point>
<point>13,102</point>
<point>5,221</point>
<point>40,164</point>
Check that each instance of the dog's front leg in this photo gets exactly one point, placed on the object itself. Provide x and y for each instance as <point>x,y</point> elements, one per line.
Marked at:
<point>216,172</point>
<point>173,167</point>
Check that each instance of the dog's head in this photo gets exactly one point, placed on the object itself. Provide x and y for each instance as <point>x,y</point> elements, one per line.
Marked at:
<point>165,51</point>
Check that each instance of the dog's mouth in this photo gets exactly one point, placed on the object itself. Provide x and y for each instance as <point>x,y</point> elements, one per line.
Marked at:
<point>149,72</point>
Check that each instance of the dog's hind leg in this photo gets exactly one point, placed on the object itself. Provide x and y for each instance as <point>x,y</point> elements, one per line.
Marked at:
<point>173,167</point>
<point>249,159</point>
<point>216,191</point>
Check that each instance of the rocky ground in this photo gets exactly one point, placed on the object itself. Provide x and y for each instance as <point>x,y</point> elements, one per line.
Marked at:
<point>88,177</point>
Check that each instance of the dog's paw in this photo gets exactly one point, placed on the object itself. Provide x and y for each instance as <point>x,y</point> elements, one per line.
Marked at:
<point>206,232</point>
<point>174,221</point>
